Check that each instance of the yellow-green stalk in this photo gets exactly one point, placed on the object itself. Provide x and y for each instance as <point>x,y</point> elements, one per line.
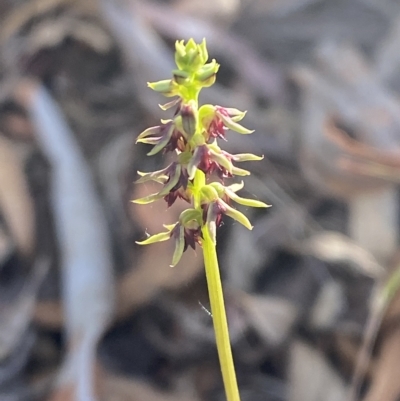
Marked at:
<point>198,176</point>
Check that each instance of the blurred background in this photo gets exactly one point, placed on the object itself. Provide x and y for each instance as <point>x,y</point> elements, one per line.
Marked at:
<point>311,292</point>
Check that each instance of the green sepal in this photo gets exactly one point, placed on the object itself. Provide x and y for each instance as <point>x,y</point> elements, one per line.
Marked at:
<point>156,176</point>
<point>169,227</point>
<point>184,158</point>
<point>206,113</point>
<point>222,160</point>
<point>239,171</point>
<point>245,201</point>
<point>172,181</point>
<point>170,104</point>
<point>165,236</point>
<point>203,51</point>
<point>208,194</point>
<point>211,225</point>
<point>163,142</point>
<point>236,215</point>
<point>194,161</point>
<point>189,118</point>
<point>234,126</point>
<point>190,215</point>
<point>167,87</point>
<point>206,75</point>
<point>190,57</point>
<point>191,169</point>
<point>147,199</point>
<point>236,186</point>
<point>218,187</point>
<point>147,132</point>
<point>149,141</point>
<point>180,77</point>
<point>179,246</point>
<point>235,114</point>
<point>245,157</point>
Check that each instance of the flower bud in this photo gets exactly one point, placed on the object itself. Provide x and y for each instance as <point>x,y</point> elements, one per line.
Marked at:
<point>167,87</point>
<point>190,57</point>
<point>188,216</point>
<point>180,77</point>
<point>208,194</point>
<point>189,118</point>
<point>206,75</point>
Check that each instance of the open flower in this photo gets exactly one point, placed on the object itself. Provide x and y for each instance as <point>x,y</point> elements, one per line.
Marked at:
<point>175,180</point>
<point>186,232</point>
<point>229,193</point>
<point>180,190</point>
<point>215,199</point>
<point>165,137</point>
<point>217,120</point>
<point>213,212</point>
<point>209,158</point>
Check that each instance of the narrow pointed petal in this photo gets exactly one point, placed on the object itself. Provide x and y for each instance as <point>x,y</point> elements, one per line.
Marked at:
<point>179,247</point>
<point>161,179</point>
<point>222,160</point>
<point>163,86</point>
<point>155,238</point>
<point>236,187</point>
<point>147,199</point>
<point>169,226</point>
<point>163,142</point>
<point>233,125</point>
<point>154,140</point>
<point>172,181</point>
<point>170,104</point>
<point>236,215</point>
<point>189,215</point>
<point>194,162</point>
<point>245,201</point>
<point>245,157</point>
<point>148,132</point>
<point>157,176</point>
<point>211,222</point>
<point>235,114</point>
<point>208,194</point>
<point>203,51</point>
<point>240,171</point>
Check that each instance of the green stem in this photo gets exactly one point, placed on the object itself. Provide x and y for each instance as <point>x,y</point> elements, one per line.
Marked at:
<point>219,318</point>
